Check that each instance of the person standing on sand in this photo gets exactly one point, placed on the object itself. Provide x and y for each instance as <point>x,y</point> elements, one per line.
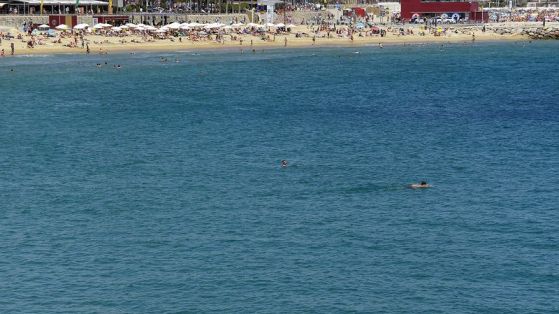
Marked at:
<point>13,48</point>
<point>2,53</point>
<point>473,37</point>
<point>285,42</point>
<point>87,48</point>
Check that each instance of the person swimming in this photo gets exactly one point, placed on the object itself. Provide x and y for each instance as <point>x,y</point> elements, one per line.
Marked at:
<point>283,163</point>
<point>423,184</point>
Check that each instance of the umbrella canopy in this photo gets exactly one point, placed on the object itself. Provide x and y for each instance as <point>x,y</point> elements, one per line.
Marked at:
<point>132,25</point>
<point>106,25</point>
<point>97,26</point>
<point>210,26</point>
<point>238,25</point>
<point>161,31</point>
<point>62,27</point>
<point>81,26</point>
<point>291,25</point>
<point>280,25</point>
<point>43,26</point>
<point>227,27</point>
<point>177,26</point>
<point>186,27</point>
<point>116,29</point>
<point>270,24</point>
<point>252,24</point>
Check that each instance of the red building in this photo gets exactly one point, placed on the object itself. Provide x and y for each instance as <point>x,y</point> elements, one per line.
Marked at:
<point>433,8</point>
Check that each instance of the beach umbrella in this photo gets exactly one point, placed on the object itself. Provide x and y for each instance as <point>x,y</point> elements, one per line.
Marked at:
<point>97,26</point>
<point>291,25</point>
<point>124,26</point>
<point>116,29</point>
<point>186,27</point>
<point>106,25</point>
<point>174,26</point>
<point>202,33</point>
<point>227,27</point>
<point>62,27</point>
<point>238,25</point>
<point>132,25</point>
<point>43,26</point>
<point>360,25</point>
<point>50,32</point>
<point>194,24</point>
<point>161,31</point>
<point>252,24</point>
<point>280,25</point>
<point>140,25</point>
<point>81,26</point>
<point>270,24</point>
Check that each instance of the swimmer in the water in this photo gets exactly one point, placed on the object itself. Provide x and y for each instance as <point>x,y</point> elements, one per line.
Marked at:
<point>284,163</point>
<point>423,184</point>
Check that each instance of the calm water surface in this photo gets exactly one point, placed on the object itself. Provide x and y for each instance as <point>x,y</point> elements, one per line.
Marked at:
<point>158,188</point>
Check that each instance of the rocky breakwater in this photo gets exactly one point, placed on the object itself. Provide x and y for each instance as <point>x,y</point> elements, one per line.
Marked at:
<point>531,32</point>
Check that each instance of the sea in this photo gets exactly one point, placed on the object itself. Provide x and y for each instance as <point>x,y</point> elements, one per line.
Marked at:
<point>158,187</point>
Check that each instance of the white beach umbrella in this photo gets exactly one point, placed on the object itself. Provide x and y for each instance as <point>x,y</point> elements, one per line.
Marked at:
<point>238,25</point>
<point>116,29</point>
<point>291,25</point>
<point>280,25</point>
<point>252,24</point>
<point>141,25</point>
<point>270,24</point>
<point>106,25</point>
<point>160,31</point>
<point>97,26</point>
<point>227,27</point>
<point>62,27</point>
<point>124,26</point>
<point>186,27</point>
<point>139,28</point>
<point>81,26</point>
<point>132,25</point>
<point>194,24</point>
<point>174,26</point>
<point>44,26</point>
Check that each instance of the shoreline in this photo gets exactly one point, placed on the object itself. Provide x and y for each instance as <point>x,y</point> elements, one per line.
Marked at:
<point>305,43</point>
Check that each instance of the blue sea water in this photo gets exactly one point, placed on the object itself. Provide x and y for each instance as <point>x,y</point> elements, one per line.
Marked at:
<point>158,188</point>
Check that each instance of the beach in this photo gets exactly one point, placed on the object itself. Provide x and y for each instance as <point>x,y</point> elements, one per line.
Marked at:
<point>246,40</point>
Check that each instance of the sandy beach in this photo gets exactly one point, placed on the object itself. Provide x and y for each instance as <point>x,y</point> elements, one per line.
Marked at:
<point>308,37</point>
